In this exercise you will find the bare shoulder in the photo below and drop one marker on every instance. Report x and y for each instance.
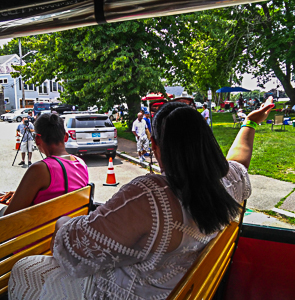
(38, 167)
(39, 174)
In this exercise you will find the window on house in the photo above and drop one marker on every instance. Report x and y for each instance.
(43, 88)
(54, 86)
(60, 88)
(6, 100)
(29, 87)
(3, 80)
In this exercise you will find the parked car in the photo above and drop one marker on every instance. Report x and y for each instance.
(90, 134)
(113, 114)
(18, 115)
(4, 116)
(61, 108)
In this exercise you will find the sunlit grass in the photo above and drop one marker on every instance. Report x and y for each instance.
(272, 153)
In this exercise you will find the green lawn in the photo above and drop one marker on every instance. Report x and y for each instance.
(273, 150)
(123, 133)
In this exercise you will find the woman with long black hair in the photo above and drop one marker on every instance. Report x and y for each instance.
(142, 241)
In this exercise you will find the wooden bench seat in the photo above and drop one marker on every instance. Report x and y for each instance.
(203, 278)
(23, 228)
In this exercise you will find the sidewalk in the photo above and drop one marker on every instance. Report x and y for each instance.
(127, 150)
(266, 192)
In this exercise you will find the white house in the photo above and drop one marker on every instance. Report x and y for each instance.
(48, 91)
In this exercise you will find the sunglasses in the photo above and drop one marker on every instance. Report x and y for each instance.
(37, 134)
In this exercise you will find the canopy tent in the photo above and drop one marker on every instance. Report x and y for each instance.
(153, 96)
(227, 89)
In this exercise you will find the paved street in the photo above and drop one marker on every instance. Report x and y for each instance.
(97, 166)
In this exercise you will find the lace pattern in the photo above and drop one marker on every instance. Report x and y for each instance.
(93, 253)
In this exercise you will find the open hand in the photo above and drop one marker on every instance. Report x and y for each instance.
(262, 113)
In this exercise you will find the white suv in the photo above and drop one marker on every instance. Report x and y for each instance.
(90, 134)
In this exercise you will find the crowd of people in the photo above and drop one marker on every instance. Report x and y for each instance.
(140, 243)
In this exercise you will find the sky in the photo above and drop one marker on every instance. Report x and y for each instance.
(4, 41)
(250, 83)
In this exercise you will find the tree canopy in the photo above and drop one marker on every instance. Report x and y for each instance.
(264, 41)
(112, 63)
(121, 62)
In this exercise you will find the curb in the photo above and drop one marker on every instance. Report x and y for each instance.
(136, 160)
(283, 212)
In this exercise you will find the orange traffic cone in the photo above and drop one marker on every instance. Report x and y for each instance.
(17, 144)
(111, 179)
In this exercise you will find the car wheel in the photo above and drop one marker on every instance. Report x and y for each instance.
(18, 119)
(113, 155)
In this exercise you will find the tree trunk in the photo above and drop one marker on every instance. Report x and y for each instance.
(133, 103)
(290, 91)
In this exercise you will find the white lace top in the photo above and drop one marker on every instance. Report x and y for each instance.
(141, 242)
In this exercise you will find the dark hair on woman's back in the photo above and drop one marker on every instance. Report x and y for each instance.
(51, 127)
(194, 165)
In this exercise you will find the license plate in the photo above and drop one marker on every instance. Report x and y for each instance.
(95, 134)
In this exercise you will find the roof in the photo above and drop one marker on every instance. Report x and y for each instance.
(5, 58)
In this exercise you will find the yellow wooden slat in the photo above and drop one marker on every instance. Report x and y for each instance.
(28, 226)
(4, 290)
(217, 265)
(26, 239)
(193, 280)
(25, 220)
(33, 235)
(7, 264)
(214, 289)
(4, 280)
(215, 276)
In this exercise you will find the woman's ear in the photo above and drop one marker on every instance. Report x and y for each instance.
(66, 137)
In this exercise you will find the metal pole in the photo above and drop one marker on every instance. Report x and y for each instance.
(210, 98)
(21, 81)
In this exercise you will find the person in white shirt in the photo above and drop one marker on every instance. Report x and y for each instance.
(138, 129)
(205, 113)
(242, 116)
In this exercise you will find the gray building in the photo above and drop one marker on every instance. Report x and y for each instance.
(48, 91)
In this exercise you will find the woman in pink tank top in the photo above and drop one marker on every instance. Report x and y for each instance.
(45, 180)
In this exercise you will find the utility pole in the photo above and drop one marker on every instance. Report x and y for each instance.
(210, 98)
(20, 78)
(2, 105)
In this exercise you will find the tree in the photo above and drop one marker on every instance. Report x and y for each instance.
(264, 32)
(13, 48)
(209, 58)
(111, 63)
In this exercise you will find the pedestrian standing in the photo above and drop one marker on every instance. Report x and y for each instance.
(205, 113)
(148, 121)
(25, 129)
(31, 119)
(241, 102)
(138, 129)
